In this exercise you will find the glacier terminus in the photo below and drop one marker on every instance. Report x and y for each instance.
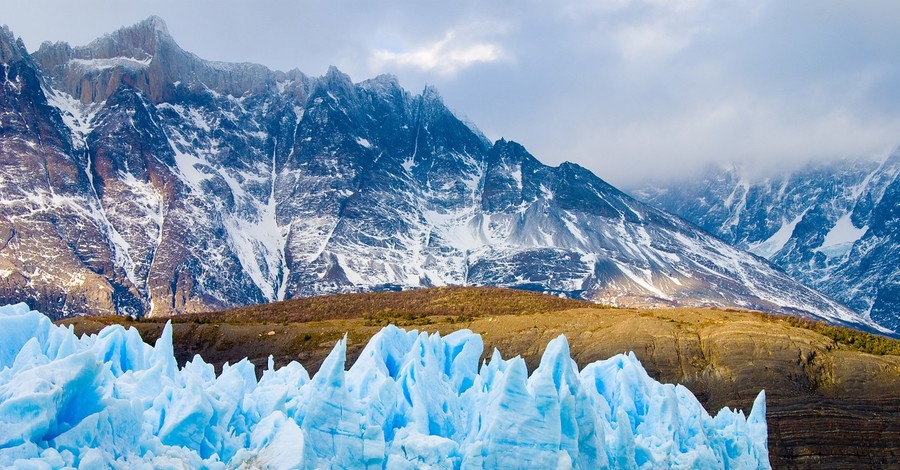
(411, 400)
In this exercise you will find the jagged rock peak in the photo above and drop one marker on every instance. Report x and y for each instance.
(336, 83)
(334, 79)
(140, 41)
(143, 56)
(510, 148)
(53, 54)
(334, 74)
(433, 103)
(383, 83)
(154, 23)
(431, 94)
(386, 79)
(509, 152)
(11, 48)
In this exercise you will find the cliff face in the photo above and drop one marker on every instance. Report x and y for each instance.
(145, 57)
(827, 407)
(44, 252)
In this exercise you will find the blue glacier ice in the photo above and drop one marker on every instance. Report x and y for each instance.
(411, 400)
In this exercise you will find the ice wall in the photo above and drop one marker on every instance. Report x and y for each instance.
(411, 400)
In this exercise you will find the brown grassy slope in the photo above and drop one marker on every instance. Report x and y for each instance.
(381, 307)
(829, 404)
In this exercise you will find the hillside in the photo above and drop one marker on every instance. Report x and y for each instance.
(830, 405)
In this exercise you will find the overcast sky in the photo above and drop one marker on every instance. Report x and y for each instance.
(632, 89)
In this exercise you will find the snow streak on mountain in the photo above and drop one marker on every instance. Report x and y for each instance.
(139, 178)
(835, 226)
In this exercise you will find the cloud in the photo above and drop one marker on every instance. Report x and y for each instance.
(757, 132)
(651, 41)
(446, 56)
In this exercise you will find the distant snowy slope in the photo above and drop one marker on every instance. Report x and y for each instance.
(834, 226)
(411, 400)
(171, 184)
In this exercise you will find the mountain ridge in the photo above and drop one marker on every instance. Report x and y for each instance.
(187, 197)
(832, 225)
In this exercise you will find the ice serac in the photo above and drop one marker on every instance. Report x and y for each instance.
(412, 400)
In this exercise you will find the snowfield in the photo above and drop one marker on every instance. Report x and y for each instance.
(411, 400)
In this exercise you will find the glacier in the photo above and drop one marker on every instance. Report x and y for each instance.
(411, 400)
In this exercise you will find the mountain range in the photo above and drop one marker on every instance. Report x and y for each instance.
(833, 225)
(138, 178)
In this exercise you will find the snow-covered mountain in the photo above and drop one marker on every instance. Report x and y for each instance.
(139, 178)
(835, 226)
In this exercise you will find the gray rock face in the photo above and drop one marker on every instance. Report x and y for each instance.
(145, 57)
(833, 226)
(179, 184)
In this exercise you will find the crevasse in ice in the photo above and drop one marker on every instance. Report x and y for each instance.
(411, 400)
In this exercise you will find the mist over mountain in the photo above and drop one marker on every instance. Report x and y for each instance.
(832, 225)
(139, 178)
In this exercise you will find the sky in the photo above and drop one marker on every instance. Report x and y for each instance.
(638, 91)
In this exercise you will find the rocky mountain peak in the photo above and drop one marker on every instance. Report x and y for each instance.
(139, 41)
(509, 148)
(53, 54)
(512, 154)
(154, 23)
(335, 76)
(385, 84)
(146, 57)
(11, 48)
(387, 80)
(337, 83)
(433, 102)
(430, 93)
